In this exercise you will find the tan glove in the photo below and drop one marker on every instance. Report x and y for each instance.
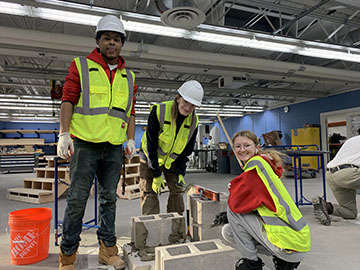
(65, 147)
(157, 183)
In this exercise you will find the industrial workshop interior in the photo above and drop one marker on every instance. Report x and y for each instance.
(286, 70)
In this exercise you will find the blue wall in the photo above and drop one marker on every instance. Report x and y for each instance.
(299, 115)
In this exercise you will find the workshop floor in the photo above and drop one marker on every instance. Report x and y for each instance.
(333, 248)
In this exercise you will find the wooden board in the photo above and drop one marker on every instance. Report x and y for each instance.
(22, 141)
(27, 131)
(30, 195)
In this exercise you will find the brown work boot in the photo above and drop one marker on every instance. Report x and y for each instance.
(109, 256)
(67, 262)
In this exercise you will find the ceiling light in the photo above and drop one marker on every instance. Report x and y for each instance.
(26, 108)
(37, 101)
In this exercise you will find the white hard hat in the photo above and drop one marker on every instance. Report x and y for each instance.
(192, 92)
(110, 23)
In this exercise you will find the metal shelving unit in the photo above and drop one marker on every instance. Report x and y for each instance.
(18, 162)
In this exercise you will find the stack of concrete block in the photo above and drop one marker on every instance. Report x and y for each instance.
(210, 254)
(202, 215)
(157, 230)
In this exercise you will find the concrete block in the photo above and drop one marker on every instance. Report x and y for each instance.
(133, 261)
(210, 254)
(201, 232)
(158, 230)
(203, 211)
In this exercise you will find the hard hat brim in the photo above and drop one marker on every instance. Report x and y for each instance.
(192, 101)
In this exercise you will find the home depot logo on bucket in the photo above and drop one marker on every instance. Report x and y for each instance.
(25, 242)
(29, 235)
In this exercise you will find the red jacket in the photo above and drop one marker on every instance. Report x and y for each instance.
(72, 87)
(248, 192)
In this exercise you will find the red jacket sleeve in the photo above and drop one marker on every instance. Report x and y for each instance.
(72, 87)
(248, 192)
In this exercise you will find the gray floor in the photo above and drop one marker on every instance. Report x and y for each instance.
(334, 247)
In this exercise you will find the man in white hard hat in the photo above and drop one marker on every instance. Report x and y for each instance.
(167, 142)
(97, 116)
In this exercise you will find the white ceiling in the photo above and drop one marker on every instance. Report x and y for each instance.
(34, 50)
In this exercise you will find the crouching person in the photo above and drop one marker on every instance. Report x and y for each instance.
(262, 217)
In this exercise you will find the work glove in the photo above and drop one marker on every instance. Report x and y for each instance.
(157, 184)
(130, 150)
(65, 147)
(180, 182)
(220, 219)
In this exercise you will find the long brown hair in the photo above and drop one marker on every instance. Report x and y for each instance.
(274, 155)
(175, 109)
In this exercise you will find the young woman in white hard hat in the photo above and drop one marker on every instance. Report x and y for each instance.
(167, 142)
(98, 111)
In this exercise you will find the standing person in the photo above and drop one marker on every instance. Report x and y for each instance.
(262, 217)
(167, 142)
(343, 177)
(98, 111)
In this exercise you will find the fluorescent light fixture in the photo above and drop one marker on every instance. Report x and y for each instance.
(26, 108)
(204, 33)
(24, 97)
(37, 101)
(221, 114)
(28, 118)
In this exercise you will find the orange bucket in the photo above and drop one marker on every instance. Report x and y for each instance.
(29, 235)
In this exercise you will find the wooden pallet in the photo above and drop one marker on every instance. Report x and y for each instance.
(132, 177)
(41, 189)
(49, 172)
(30, 195)
(131, 192)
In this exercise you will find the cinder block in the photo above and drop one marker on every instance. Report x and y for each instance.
(157, 230)
(133, 260)
(203, 211)
(200, 232)
(210, 254)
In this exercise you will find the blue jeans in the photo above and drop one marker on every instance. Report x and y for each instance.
(103, 160)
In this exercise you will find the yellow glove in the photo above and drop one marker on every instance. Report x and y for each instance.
(180, 181)
(157, 183)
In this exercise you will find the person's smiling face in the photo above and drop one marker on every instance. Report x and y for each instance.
(110, 45)
(244, 148)
(185, 107)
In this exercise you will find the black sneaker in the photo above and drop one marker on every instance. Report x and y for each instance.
(320, 211)
(246, 264)
(284, 265)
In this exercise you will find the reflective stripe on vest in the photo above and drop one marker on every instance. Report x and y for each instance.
(162, 122)
(295, 225)
(86, 110)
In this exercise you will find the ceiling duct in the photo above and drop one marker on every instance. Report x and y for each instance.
(183, 14)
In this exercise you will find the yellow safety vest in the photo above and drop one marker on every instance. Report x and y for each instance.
(286, 228)
(170, 144)
(103, 110)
